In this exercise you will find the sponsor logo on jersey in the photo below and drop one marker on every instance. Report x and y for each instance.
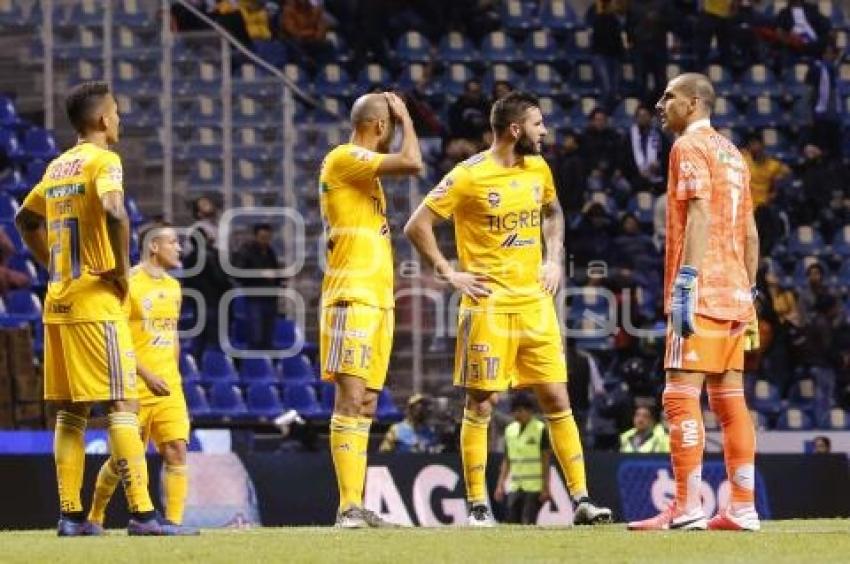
(494, 199)
(442, 189)
(513, 240)
(479, 347)
(60, 308)
(362, 155)
(514, 220)
(64, 169)
(115, 173)
(65, 190)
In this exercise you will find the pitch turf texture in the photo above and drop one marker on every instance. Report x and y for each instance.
(813, 541)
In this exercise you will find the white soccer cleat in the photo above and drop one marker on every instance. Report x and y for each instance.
(588, 513)
(672, 519)
(480, 516)
(351, 518)
(730, 520)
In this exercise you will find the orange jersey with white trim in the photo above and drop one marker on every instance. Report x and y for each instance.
(705, 165)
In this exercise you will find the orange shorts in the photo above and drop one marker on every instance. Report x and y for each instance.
(716, 347)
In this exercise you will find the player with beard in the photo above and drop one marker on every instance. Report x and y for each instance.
(505, 212)
(356, 327)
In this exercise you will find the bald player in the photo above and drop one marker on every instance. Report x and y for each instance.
(709, 280)
(356, 327)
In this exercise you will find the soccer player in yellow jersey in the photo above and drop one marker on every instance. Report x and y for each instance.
(154, 310)
(75, 224)
(504, 209)
(356, 326)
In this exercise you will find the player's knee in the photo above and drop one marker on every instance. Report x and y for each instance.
(480, 402)
(553, 398)
(78, 409)
(369, 405)
(350, 395)
(123, 406)
(174, 452)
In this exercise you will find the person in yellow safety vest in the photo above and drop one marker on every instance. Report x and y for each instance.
(525, 467)
(647, 436)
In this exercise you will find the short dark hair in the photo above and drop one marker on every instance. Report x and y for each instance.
(262, 227)
(511, 109)
(151, 230)
(825, 439)
(521, 400)
(597, 110)
(82, 99)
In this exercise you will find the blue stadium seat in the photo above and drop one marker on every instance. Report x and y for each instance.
(457, 48)
(140, 44)
(372, 74)
(758, 80)
(13, 182)
(23, 305)
(722, 80)
(86, 12)
(498, 47)
(499, 72)
(12, 232)
(263, 400)
(541, 47)
(518, 15)
(137, 218)
(332, 80)
(577, 44)
(135, 78)
(766, 398)
(725, 113)
(413, 47)
(189, 369)
(832, 10)
(257, 369)
(130, 12)
(8, 207)
(216, 366)
(558, 15)
(23, 264)
(544, 80)
(342, 53)
(623, 115)
(642, 205)
(302, 398)
(206, 174)
(273, 52)
(297, 75)
(583, 80)
(841, 242)
(793, 419)
(764, 111)
(835, 419)
(226, 401)
(709, 420)
(12, 14)
(387, 411)
(802, 395)
(11, 146)
(297, 368)
(8, 113)
(759, 420)
(805, 240)
(327, 395)
(553, 113)
(589, 319)
(196, 399)
(453, 79)
(287, 335)
(794, 83)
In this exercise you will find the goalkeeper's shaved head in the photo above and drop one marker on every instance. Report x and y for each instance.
(369, 107)
(696, 85)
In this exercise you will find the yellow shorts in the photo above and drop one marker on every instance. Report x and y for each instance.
(89, 362)
(356, 340)
(164, 419)
(496, 351)
(716, 347)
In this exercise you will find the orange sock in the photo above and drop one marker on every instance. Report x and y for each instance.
(687, 441)
(739, 441)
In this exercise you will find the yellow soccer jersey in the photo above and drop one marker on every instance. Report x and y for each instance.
(68, 196)
(154, 310)
(359, 264)
(498, 225)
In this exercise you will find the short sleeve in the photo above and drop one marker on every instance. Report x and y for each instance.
(109, 175)
(35, 200)
(549, 192)
(356, 165)
(693, 172)
(445, 197)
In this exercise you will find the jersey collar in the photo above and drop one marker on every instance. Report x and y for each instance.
(699, 124)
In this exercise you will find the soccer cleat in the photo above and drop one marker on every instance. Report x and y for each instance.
(670, 519)
(71, 528)
(375, 521)
(93, 529)
(351, 518)
(587, 513)
(480, 516)
(159, 527)
(729, 520)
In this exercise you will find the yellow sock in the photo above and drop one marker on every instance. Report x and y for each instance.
(176, 483)
(346, 446)
(128, 451)
(363, 426)
(566, 442)
(69, 452)
(107, 480)
(473, 448)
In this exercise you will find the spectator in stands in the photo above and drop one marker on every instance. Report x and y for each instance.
(524, 474)
(766, 172)
(821, 356)
(714, 20)
(822, 80)
(606, 19)
(426, 120)
(646, 157)
(821, 445)
(647, 24)
(802, 28)
(259, 255)
(585, 382)
(256, 19)
(568, 168)
(501, 88)
(414, 434)
(812, 292)
(635, 249)
(593, 236)
(602, 148)
(305, 27)
(10, 279)
(779, 329)
(227, 14)
(647, 436)
(822, 190)
(183, 19)
(469, 116)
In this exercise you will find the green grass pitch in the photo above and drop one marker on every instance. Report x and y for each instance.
(816, 541)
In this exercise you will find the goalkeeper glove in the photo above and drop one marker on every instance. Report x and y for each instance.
(683, 305)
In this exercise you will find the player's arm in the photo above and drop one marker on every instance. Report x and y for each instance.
(696, 233)
(420, 231)
(118, 229)
(155, 384)
(31, 225)
(751, 251)
(504, 470)
(553, 237)
(409, 159)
